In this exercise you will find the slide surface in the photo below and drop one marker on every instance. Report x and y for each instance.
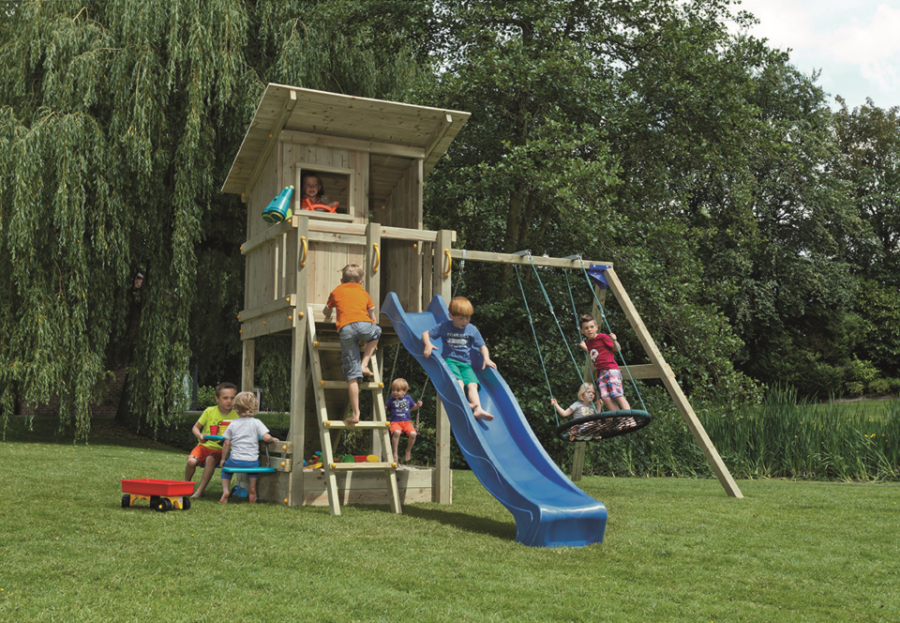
(504, 454)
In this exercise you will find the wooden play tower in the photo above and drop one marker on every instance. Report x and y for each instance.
(373, 157)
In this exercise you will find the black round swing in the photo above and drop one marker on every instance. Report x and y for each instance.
(595, 426)
(603, 425)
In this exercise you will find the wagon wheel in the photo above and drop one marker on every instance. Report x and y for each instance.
(185, 503)
(603, 425)
(126, 500)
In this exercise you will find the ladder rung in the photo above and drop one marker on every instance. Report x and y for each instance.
(343, 385)
(332, 346)
(343, 424)
(346, 467)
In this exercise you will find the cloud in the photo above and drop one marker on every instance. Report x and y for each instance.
(855, 44)
(874, 47)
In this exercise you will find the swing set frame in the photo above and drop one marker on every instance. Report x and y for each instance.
(656, 369)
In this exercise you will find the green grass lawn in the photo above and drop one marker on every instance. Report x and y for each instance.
(675, 550)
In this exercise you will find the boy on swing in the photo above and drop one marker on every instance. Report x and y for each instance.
(399, 406)
(602, 348)
(458, 336)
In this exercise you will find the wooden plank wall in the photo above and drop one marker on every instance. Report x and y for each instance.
(401, 259)
(260, 265)
(328, 258)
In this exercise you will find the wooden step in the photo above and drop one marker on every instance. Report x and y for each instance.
(346, 467)
(331, 346)
(343, 385)
(366, 424)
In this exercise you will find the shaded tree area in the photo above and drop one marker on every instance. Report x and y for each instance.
(755, 231)
(118, 123)
(868, 140)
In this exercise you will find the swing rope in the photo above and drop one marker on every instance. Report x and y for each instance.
(587, 358)
(421, 396)
(597, 425)
(555, 319)
(609, 330)
(536, 343)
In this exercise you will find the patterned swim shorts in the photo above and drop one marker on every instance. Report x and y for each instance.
(609, 382)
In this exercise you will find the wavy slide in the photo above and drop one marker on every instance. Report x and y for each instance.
(504, 454)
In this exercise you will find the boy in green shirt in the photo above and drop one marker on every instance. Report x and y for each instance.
(208, 453)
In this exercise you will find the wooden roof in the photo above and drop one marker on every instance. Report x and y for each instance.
(420, 130)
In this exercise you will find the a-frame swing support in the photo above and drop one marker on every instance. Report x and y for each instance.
(657, 368)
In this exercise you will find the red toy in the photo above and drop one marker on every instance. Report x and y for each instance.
(163, 495)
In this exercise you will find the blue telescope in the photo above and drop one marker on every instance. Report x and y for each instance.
(279, 208)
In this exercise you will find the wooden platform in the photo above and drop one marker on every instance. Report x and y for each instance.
(416, 485)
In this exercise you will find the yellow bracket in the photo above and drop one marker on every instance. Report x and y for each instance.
(305, 251)
(377, 258)
(449, 263)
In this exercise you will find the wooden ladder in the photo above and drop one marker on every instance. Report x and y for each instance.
(379, 422)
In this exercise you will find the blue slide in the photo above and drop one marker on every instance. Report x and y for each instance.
(504, 454)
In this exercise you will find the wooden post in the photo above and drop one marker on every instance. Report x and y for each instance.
(372, 284)
(249, 365)
(297, 434)
(681, 401)
(427, 271)
(441, 285)
(373, 265)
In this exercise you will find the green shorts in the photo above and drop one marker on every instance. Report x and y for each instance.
(462, 371)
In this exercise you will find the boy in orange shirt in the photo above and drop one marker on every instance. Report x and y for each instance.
(355, 323)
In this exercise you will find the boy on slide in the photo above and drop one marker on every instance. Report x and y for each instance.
(458, 336)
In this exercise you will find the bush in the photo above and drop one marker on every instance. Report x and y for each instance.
(855, 388)
(206, 397)
(880, 386)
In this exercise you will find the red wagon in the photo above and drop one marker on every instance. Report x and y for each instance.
(163, 495)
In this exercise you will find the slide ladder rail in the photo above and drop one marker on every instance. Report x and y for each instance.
(503, 453)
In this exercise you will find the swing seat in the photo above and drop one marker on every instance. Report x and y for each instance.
(603, 425)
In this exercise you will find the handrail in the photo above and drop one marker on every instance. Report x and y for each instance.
(377, 258)
(449, 263)
(305, 251)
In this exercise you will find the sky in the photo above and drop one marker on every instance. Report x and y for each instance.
(854, 43)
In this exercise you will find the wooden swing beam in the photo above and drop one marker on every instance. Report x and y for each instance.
(658, 368)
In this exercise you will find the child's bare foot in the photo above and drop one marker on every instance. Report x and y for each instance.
(224, 498)
(481, 414)
(252, 495)
(406, 458)
(197, 495)
(352, 420)
(366, 372)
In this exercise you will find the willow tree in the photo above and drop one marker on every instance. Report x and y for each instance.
(118, 121)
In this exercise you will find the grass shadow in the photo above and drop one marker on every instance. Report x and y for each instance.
(462, 521)
(104, 432)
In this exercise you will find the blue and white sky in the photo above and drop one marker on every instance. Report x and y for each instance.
(854, 43)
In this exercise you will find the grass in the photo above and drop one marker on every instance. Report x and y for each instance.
(675, 550)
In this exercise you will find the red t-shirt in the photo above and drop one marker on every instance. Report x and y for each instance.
(602, 352)
(352, 303)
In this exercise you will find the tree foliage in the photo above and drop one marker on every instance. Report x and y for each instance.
(118, 122)
(755, 231)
